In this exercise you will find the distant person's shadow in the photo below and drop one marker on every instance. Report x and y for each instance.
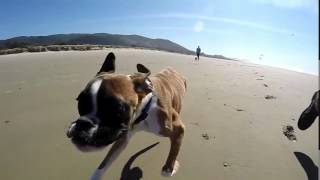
(309, 167)
(136, 172)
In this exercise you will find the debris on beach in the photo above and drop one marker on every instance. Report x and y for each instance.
(195, 123)
(270, 97)
(289, 132)
(205, 136)
(265, 85)
(239, 109)
(226, 164)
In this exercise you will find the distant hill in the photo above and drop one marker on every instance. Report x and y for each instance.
(90, 41)
(94, 39)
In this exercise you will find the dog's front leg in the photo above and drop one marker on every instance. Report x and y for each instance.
(114, 152)
(172, 165)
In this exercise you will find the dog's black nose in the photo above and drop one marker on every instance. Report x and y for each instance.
(83, 125)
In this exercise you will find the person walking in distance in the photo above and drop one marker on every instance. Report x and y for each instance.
(198, 51)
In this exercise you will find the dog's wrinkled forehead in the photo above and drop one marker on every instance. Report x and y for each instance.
(119, 86)
(104, 90)
(108, 89)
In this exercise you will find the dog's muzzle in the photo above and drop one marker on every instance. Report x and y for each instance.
(85, 133)
(83, 124)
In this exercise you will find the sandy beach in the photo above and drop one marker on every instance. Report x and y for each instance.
(232, 131)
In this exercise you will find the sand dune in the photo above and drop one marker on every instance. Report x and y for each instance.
(234, 131)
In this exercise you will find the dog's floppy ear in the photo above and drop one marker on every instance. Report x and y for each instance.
(142, 69)
(109, 64)
(142, 85)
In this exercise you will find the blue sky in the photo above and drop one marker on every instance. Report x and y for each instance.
(282, 33)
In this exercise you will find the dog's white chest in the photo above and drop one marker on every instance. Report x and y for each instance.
(151, 123)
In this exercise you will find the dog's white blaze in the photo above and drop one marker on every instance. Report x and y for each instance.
(95, 86)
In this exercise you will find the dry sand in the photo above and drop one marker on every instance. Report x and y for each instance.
(233, 132)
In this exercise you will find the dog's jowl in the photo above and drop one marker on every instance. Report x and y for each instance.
(112, 107)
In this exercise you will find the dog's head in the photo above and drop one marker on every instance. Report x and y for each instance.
(106, 106)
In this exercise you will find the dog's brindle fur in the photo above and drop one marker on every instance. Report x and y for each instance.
(118, 97)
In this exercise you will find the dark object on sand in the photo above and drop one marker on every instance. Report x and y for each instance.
(226, 164)
(310, 114)
(265, 85)
(288, 131)
(205, 136)
(270, 97)
(195, 123)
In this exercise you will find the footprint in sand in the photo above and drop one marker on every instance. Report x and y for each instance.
(259, 79)
(270, 97)
(239, 109)
(289, 132)
(226, 164)
(6, 121)
(205, 136)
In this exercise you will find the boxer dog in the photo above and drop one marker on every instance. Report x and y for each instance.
(112, 107)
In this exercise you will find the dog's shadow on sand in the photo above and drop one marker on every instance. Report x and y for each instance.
(308, 165)
(134, 173)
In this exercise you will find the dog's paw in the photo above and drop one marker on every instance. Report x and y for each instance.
(168, 172)
(96, 175)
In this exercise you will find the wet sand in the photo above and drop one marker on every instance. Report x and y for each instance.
(234, 131)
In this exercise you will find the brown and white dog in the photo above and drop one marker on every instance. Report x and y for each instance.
(112, 107)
